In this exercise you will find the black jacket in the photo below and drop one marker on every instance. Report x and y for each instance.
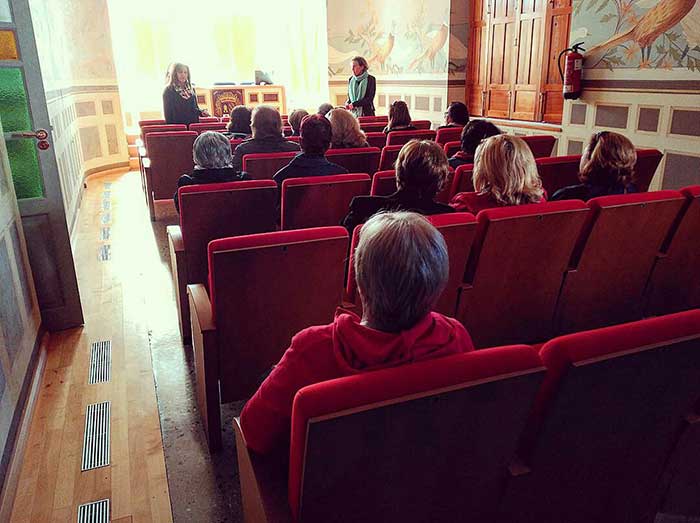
(178, 110)
(270, 144)
(586, 191)
(367, 102)
(308, 165)
(363, 207)
(202, 176)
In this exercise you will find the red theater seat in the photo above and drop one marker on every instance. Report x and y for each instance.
(462, 181)
(359, 160)
(263, 289)
(318, 201)
(161, 128)
(557, 172)
(295, 139)
(208, 212)
(372, 127)
(421, 125)
(383, 183)
(515, 270)
(401, 137)
(373, 119)
(403, 444)
(263, 166)
(388, 157)
(208, 119)
(159, 121)
(540, 145)
(645, 168)
(200, 127)
(613, 257)
(235, 142)
(448, 134)
(610, 409)
(376, 139)
(451, 148)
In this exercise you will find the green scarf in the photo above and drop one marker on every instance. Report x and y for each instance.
(357, 87)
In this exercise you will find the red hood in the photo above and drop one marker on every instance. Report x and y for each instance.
(359, 348)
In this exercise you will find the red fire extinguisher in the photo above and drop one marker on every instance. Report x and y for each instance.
(571, 75)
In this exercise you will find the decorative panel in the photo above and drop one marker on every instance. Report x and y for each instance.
(574, 147)
(578, 114)
(648, 119)
(10, 318)
(112, 141)
(611, 116)
(8, 45)
(685, 122)
(42, 252)
(14, 111)
(382, 100)
(107, 107)
(13, 235)
(393, 98)
(437, 104)
(85, 109)
(90, 142)
(681, 170)
(422, 103)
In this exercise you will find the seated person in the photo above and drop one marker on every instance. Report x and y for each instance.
(212, 163)
(346, 130)
(399, 118)
(295, 120)
(505, 174)
(457, 115)
(324, 109)
(607, 167)
(472, 135)
(239, 124)
(402, 266)
(315, 140)
(266, 124)
(421, 171)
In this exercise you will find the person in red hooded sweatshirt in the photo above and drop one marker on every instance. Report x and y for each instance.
(401, 267)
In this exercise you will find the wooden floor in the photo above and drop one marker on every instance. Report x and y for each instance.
(114, 291)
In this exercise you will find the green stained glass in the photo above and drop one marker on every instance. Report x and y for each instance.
(14, 111)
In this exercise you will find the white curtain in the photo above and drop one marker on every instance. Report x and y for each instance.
(221, 42)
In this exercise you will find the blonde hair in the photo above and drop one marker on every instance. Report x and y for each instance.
(171, 75)
(505, 167)
(608, 160)
(346, 129)
(422, 166)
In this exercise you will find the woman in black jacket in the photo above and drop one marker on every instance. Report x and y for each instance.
(179, 98)
(362, 87)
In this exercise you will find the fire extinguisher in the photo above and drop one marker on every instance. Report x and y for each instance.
(571, 75)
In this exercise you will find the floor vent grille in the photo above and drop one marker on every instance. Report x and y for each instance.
(96, 439)
(94, 512)
(100, 362)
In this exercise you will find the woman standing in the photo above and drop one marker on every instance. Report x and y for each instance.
(179, 98)
(361, 89)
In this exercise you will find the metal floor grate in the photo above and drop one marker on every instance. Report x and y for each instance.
(100, 362)
(96, 438)
(94, 512)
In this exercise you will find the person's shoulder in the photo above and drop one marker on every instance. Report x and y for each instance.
(366, 203)
(290, 146)
(313, 338)
(186, 179)
(441, 208)
(571, 192)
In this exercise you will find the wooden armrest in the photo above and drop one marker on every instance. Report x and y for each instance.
(146, 162)
(201, 306)
(175, 238)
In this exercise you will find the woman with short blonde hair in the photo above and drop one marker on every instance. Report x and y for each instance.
(346, 130)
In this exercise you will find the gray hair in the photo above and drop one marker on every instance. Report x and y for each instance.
(212, 150)
(266, 121)
(401, 267)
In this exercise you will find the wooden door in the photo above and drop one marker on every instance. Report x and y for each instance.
(557, 26)
(527, 49)
(478, 59)
(502, 40)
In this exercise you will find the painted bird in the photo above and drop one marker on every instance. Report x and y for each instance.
(437, 43)
(660, 18)
(380, 55)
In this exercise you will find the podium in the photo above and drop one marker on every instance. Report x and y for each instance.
(219, 100)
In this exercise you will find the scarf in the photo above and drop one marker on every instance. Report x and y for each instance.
(357, 87)
(185, 91)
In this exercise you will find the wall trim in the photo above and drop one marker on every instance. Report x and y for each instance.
(106, 167)
(413, 83)
(55, 94)
(643, 86)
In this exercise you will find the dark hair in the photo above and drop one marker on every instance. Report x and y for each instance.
(608, 160)
(240, 120)
(295, 119)
(398, 114)
(316, 134)
(361, 62)
(422, 167)
(324, 108)
(475, 132)
(458, 113)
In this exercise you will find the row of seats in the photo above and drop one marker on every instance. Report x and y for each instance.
(596, 427)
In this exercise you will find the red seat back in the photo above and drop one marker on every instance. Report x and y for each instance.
(541, 145)
(645, 168)
(451, 148)
(383, 183)
(295, 139)
(462, 181)
(144, 123)
(263, 166)
(421, 125)
(220, 210)
(373, 119)
(207, 126)
(208, 119)
(509, 293)
(613, 257)
(372, 127)
(287, 130)
(449, 134)
(401, 137)
(226, 118)
(318, 201)
(171, 157)
(388, 157)
(235, 142)
(376, 139)
(264, 289)
(358, 160)
(408, 431)
(675, 280)
(146, 129)
(557, 172)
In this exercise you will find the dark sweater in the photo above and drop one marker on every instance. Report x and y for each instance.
(585, 191)
(202, 176)
(178, 110)
(303, 165)
(269, 144)
(367, 101)
(460, 158)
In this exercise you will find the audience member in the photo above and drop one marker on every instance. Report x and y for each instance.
(346, 130)
(212, 162)
(402, 266)
(472, 135)
(295, 119)
(239, 124)
(179, 98)
(315, 140)
(457, 115)
(266, 124)
(421, 171)
(324, 108)
(505, 174)
(399, 118)
(607, 167)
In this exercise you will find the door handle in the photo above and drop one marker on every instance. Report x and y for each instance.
(40, 135)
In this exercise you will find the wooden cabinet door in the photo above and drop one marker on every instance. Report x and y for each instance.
(478, 59)
(501, 45)
(557, 25)
(527, 65)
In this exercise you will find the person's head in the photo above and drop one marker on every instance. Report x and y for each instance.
(401, 268)
(212, 150)
(178, 74)
(422, 167)
(240, 120)
(316, 134)
(398, 114)
(346, 128)
(359, 65)
(295, 119)
(608, 160)
(474, 132)
(505, 168)
(324, 108)
(266, 122)
(457, 114)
